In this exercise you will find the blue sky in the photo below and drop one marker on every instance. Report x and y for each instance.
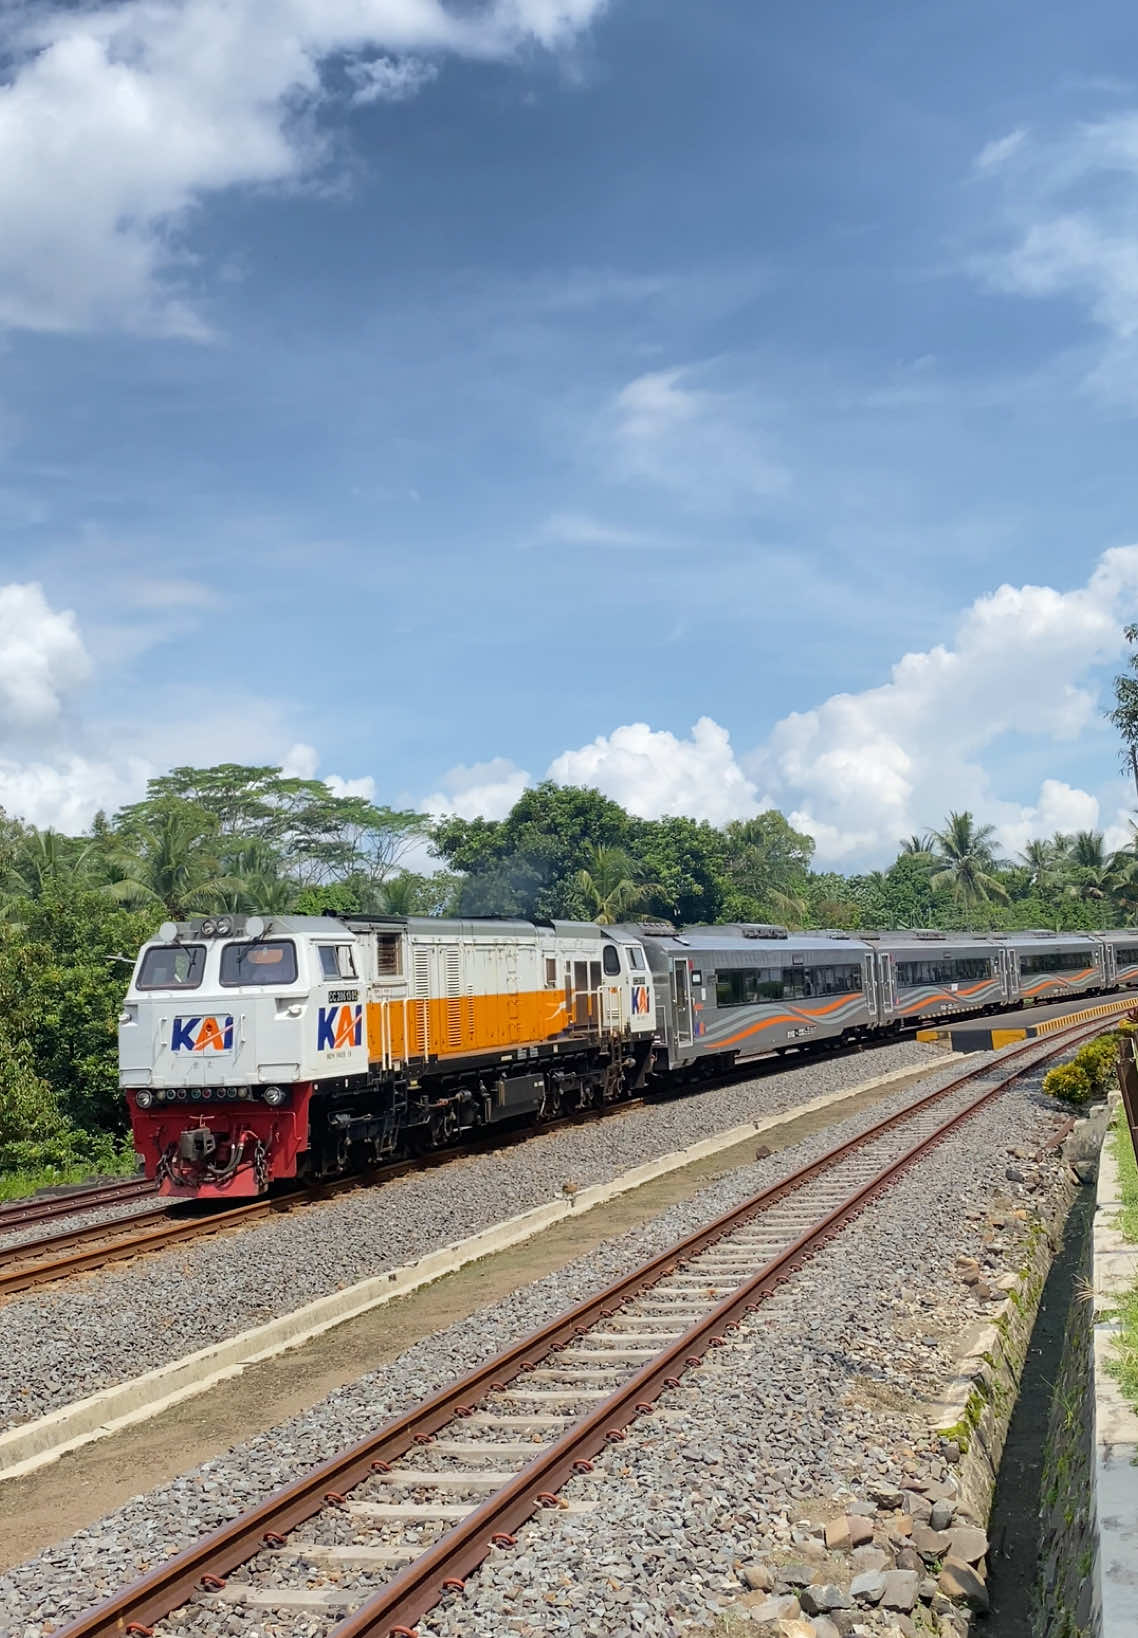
(437, 395)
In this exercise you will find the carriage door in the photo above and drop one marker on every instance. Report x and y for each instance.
(869, 985)
(1108, 964)
(886, 983)
(681, 1001)
(1006, 970)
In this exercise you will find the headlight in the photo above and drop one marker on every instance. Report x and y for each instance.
(274, 1096)
(196, 1095)
(209, 928)
(143, 1100)
(244, 1092)
(224, 927)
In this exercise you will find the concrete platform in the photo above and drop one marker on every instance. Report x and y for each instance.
(1008, 1028)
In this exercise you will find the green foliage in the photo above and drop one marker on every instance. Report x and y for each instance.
(1125, 714)
(1069, 1082)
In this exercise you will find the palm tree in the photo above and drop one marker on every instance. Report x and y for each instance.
(965, 860)
(1041, 859)
(169, 859)
(916, 843)
(1088, 866)
(613, 886)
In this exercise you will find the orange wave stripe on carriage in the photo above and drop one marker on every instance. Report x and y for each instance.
(948, 995)
(788, 1018)
(1063, 983)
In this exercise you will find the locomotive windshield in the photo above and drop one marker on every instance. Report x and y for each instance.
(271, 962)
(172, 967)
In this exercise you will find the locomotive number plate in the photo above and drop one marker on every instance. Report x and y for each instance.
(342, 996)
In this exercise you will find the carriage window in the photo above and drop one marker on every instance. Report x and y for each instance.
(944, 970)
(1056, 961)
(1126, 955)
(612, 959)
(747, 986)
(551, 972)
(172, 967)
(273, 962)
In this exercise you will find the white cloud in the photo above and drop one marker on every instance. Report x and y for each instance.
(652, 772)
(300, 761)
(388, 79)
(42, 661)
(579, 529)
(1061, 807)
(1070, 206)
(862, 770)
(117, 119)
(65, 795)
(663, 429)
(363, 786)
(484, 789)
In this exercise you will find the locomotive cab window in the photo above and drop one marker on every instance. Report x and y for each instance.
(612, 959)
(336, 961)
(172, 967)
(270, 962)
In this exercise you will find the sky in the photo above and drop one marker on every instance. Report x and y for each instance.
(726, 405)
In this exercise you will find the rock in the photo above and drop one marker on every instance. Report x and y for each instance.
(838, 1535)
(967, 1542)
(927, 1590)
(901, 1528)
(930, 1543)
(949, 1449)
(959, 1580)
(785, 1608)
(909, 1559)
(868, 1587)
(900, 1590)
(887, 1497)
(862, 1509)
(1014, 1175)
(825, 1628)
(1085, 1170)
(818, 1600)
(757, 1577)
(796, 1629)
(942, 1514)
(918, 1507)
(762, 1152)
(861, 1530)
(869, 1558)
(794, 1575)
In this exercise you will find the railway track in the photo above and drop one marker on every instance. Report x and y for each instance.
(19, 1214)
(424, 1500)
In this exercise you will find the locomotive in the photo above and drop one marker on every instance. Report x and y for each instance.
(255, 1048)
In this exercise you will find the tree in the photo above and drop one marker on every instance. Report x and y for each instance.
(169, 856)
(917, 844)
(613, 885)
(1089, 870)
(1042, 859)
(964, 860)
(765, 866)
(1124, 717)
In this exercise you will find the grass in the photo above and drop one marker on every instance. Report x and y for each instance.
(1125, 1367)
(114, 1162)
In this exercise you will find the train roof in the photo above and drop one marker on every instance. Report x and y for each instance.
(757, 938)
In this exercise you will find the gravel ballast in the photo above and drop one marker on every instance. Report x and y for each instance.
(61, 1345)
(723, 1473)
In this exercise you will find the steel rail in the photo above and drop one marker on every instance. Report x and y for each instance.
(19, 1213)
(170, 1585)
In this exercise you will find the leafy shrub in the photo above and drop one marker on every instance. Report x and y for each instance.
(1100, 1059)
(1070, 1082)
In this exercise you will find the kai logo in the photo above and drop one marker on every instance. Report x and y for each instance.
(209, 1034)
(640, 1001)
(339, 1027)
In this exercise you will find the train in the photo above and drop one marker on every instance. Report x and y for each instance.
(259, 1048)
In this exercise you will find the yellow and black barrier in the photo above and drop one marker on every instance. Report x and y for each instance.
(988, 1036)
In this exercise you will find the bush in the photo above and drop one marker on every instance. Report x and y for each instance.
(1100, 1060)
(1070, 1082)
